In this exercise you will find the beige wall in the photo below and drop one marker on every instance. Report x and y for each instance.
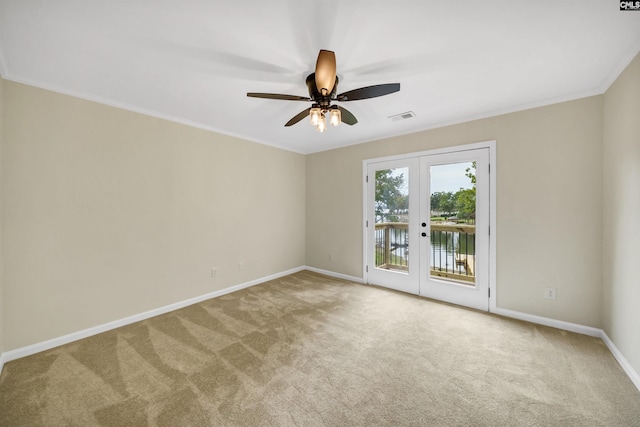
(621, 207)
(548, 204)
(110, 213)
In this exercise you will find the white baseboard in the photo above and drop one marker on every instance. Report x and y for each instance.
(336, 275)
(2, 360)
(624, 363)
(546, 321)
(75, 336)
(580, 329)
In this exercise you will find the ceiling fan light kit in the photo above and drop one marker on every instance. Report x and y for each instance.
(323, 85)
(335, 116)
(314, 115)
(322, 124)
(317, 117)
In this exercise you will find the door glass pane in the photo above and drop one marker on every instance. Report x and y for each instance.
(453, 231)
(392, 219)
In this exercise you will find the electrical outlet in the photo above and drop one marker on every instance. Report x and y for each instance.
(242, 265)
(330, 257)
(550, 293)
(214, 272)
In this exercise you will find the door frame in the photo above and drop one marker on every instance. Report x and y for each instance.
(491, 145)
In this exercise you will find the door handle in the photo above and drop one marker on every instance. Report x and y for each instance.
(424, 234)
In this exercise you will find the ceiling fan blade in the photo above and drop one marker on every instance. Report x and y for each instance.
(278, 96)
(369, 92)
(301, 115)
(325, 72)
(347, 117)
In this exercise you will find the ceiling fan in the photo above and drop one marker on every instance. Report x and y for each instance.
(323, 85)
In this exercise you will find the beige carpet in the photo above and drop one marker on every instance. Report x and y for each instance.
(310, 350)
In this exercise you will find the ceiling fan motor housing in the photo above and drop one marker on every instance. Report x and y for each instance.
(323, 101)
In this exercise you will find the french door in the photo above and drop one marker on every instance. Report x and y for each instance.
(428, 226)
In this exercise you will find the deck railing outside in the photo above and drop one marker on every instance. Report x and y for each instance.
(392, 245)
(452, 249)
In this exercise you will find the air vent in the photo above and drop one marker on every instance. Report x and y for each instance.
(402, 116)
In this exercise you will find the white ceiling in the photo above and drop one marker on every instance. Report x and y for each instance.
(194, 61)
